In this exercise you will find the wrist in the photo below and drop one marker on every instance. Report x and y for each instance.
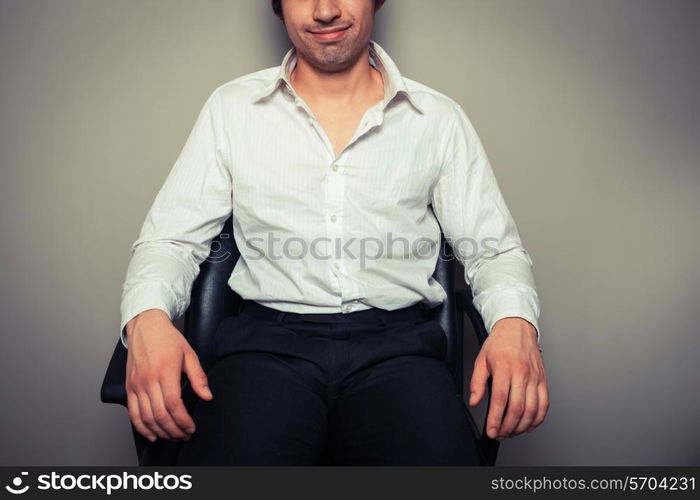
(147, 317)
(517, 324)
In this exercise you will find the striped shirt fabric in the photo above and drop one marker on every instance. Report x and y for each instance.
(326, 234)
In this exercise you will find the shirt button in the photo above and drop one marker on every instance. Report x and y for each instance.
(337, 266)
(348, 309)
(333, 218)
(335, 167)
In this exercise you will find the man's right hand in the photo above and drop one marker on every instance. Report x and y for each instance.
(157, 355)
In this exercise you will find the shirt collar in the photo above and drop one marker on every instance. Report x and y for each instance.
(393, 81)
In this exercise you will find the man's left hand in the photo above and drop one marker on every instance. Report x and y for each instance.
(511, 356)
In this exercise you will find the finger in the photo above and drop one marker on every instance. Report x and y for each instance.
(478, 381)
(543, 405)
(172, 398)
(516, 403)
(197, 376)
(531, 407)
(132, 402)
(161, 413)
(147, 415)
(500, 387)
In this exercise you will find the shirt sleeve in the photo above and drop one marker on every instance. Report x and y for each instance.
(189, 210)
(476, 222)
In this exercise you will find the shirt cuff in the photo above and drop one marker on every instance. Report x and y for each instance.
(144, 297)
(511, 302)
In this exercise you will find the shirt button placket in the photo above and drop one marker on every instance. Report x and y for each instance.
(334, 221)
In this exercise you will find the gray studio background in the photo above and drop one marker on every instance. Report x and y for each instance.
(589, 112)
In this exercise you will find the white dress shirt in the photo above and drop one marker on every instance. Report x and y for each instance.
(326, 234)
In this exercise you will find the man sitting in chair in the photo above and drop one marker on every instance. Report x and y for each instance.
(328, 164)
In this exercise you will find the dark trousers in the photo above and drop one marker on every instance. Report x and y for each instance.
(361, 388)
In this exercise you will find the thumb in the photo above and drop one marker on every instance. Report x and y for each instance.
(198, 379)
(478, 381)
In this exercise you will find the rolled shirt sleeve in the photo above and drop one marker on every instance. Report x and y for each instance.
(476, 222)
(188, 211)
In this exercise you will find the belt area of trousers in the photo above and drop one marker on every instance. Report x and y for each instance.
(411, 313)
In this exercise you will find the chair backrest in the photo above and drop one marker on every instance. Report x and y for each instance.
(212, 300)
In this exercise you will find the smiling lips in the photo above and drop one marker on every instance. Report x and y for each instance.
(330, 35)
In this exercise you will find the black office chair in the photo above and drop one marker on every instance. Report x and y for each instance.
(212, 300)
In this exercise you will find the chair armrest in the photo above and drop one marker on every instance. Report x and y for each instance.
(113, 389)
(488, 445)
(465, 305)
